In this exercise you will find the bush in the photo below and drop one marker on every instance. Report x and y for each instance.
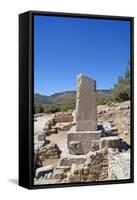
(121, 90)
(63, 107)
(68, 105)
(38, 108)
(51, 108)
(104, 100)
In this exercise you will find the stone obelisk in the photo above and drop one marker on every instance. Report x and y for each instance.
(86, 109)
(80, 137)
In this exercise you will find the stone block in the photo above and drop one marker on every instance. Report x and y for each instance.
(58, 174)
(44, 170)
(109, 142)
(64, 126)
(53, 131)
(68, 161)
(74, 169)
(74, 178)
(41, 137)
(80, 142)
(95, 145)
(112, 131)
(64, 168)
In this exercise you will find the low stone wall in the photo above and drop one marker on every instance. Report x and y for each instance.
(61, 121)
(118, 116)
(65, 161)
(64, 118)
(65, 126)
(50, 151)
(95, 168)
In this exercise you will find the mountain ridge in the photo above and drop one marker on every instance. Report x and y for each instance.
(65, 96)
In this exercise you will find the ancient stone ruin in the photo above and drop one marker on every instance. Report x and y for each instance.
(86, 108)
(81, 136)
(94, 150)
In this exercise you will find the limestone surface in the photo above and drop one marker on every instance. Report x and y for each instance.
(86, 110)
(44, 170)
(119, 165)
(80, 142)
(109, 142)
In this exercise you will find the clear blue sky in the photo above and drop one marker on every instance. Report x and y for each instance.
(65, 47)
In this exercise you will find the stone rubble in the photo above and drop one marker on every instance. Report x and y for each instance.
(51, 151)
(116, 116)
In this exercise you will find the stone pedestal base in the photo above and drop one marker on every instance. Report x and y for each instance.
(80, 142)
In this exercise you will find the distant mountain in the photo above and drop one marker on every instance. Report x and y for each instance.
(63, 97)
(103, 93)
(66, 96)
(42, 99)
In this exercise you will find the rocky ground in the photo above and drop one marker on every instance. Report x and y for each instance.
(116, 115)
(39, 122)
(104, 161)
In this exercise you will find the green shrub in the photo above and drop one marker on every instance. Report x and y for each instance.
(51, 108)
(121, 90)
(62, 107)
(38, 108)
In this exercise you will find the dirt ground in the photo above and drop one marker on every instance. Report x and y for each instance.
(60, 138)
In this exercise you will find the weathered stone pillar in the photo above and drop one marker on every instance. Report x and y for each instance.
(86, 109)
(80, 137)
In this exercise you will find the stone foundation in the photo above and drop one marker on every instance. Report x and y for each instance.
(50, 151)
(94, 169)
(64, 118)
(68, 160)
(80, 142)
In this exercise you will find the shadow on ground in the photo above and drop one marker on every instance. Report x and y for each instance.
(14, 181)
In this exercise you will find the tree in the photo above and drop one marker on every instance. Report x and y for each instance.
(121, 90)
